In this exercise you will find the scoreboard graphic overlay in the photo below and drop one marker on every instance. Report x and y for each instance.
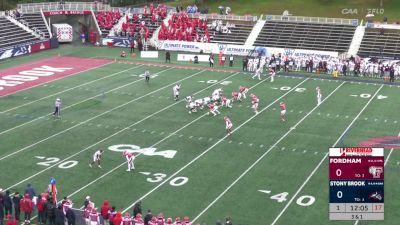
(356, 183)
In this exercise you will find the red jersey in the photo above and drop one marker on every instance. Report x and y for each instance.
(242, 88)
(224, 99)
(283, 106)
(211, 106)
(235, 94)
(127, 220)
(94, 217)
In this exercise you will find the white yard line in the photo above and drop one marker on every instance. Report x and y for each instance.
(112, 135)
(77, 103)
(324, 158)
(387, 159)
(48, 96)
(262, 156)
(211, 147)
(92, 118)
(188, 124)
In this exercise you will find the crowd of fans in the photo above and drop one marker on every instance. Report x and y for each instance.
(107, 19)
(182, 28)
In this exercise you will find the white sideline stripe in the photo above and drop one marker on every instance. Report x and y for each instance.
(34, 175)
(83, 122)
(263, 155)
(83, 71)
(212, 146)
(387, 159)
(171, 134)
(77, 191)
(77, 103)
(324, 158)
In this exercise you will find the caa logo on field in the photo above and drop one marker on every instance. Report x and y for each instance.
(375, 171)
(289, 52)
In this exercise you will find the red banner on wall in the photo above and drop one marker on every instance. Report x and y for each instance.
(37, 47)
(66, 12)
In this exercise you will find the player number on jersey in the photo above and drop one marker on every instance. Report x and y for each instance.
(53, 160)
(158, 177)
(287, 88)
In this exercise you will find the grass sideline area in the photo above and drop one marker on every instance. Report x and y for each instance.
(311, 8)
(186, 166)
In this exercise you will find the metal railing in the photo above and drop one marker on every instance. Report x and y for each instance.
(353, 22)
(56, 6)
(223, 17)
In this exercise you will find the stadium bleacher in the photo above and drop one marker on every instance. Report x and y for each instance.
(306, 35)
(11, 34)
(106, 21)
(35, 20)
(237, 34)
(377, 43)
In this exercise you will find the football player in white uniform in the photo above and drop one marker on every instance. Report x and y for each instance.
(97, 158)
(319, 95)
(176, 89)
(192, 107)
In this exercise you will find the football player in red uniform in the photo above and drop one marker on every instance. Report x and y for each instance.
(283, 111)
(129, 158)
(243, 90)
(226, 102)
(254, 102)
(237, 96)
(213, 109)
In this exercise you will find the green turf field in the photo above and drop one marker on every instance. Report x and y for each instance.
(186, 165)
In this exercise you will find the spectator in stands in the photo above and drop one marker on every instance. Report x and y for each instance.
(123, 54)
(231, 60)
(211, 60)
(16, 200)
(381, 31)
(167, 56)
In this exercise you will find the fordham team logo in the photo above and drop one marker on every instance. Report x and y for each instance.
(375, 171)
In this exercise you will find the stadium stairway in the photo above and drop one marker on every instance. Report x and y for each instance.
(11, 34)
(35, 20)
(255, 32)
(356, 42)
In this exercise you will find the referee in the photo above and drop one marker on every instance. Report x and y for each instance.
(147, 76)
(57, 106)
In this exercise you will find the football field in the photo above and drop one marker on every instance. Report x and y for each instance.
(266, 172)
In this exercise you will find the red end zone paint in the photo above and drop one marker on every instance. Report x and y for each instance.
(387, 142)
(32, 74)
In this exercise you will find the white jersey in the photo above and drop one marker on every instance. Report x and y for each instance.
(57, 103)
(97, 155)
(176, 89)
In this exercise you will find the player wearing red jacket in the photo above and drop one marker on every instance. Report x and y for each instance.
(243, 90)
(11, 221)
(283, 111)
(26, 207)
(117, 219)
(94, 217)
(228, 125)
(254, 102)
